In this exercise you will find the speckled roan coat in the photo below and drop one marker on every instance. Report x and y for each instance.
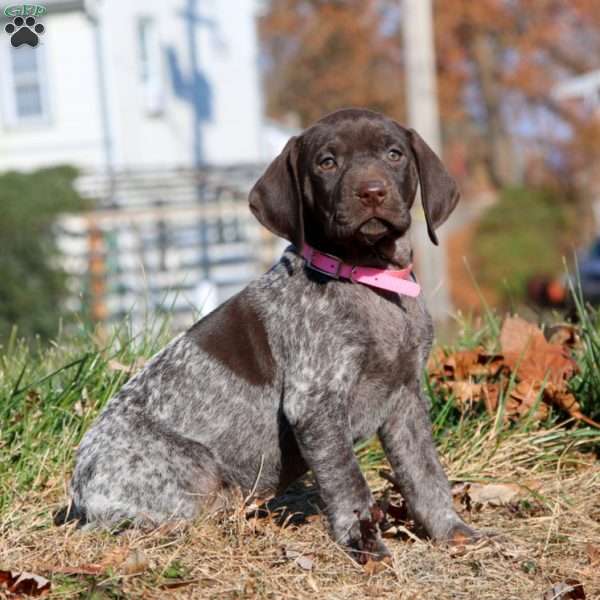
(294, 370)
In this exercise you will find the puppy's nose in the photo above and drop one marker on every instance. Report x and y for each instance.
(372, 192)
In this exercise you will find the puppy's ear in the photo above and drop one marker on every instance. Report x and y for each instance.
(276, 200)
(439, 191)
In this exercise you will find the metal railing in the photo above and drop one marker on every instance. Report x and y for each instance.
(180, 240)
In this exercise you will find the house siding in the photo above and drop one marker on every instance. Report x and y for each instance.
(210, 110)
(72, 132)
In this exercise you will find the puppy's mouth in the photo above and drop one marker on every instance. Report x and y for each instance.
(383, 240)
(374, 230)
(394, 253)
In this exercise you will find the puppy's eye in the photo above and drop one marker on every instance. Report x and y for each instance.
(394, 155)
(328, 163)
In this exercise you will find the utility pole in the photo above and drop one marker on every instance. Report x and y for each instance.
(423, 116)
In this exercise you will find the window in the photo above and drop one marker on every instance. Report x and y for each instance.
(25, 95)
(27, 83)
(149, 65)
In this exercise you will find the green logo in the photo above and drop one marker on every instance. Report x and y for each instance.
(25, 10)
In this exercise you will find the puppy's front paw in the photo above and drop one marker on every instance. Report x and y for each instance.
(365, 541)
(374, 550)
(462, 535)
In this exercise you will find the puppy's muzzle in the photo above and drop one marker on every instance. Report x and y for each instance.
(372, 193)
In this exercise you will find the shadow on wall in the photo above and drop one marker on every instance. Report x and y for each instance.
(193, 87)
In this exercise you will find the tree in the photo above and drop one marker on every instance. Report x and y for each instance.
(321, 56)
(498, 61)
(32, 285)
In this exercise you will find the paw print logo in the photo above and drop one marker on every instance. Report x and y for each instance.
(24, 31)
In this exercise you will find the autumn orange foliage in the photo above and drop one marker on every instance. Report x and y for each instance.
(530, 372)
(497, 63)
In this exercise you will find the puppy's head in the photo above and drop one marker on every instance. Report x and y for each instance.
(347, 184)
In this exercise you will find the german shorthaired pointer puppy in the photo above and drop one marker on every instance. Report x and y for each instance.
(324, 350)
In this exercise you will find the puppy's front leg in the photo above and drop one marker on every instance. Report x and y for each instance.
(408, 443)
(325, 442)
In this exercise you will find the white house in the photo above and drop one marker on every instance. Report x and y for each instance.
(116, 85)
(159, 103)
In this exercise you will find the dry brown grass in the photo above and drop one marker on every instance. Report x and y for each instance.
(543, 539)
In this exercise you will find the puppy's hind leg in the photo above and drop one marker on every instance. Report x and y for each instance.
(135, 470)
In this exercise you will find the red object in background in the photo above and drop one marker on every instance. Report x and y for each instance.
(546, 291)
(556, 292)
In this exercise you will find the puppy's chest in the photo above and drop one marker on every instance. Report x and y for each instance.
(390, 363)
(354, 333)
(391, 330)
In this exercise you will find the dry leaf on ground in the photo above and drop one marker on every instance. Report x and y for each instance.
(23, 584)
(593, 553)
(466, 495)
(464, 364)
(532, 372)
(372, 567)
(531, 357)
(564, 334)
(135, 563)
(570, 589)
(494, 494)
(304, 561)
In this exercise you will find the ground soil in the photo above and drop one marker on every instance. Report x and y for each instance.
(550, 535)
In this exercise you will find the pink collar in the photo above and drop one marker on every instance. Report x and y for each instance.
(395, 281)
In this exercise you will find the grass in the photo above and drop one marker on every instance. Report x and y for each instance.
(49, 397)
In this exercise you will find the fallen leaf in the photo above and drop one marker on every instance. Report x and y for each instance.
(517, 335)
(435, 363)
(532, 372)
(172, 585)
(461, 497)
(24, 584)
(570, 589)
(459, 365)
(135, 563)
(531, 356)
(567, 402)
(465, 364)
(593, 553)
(466, 393)
(115, 557)
(304, 561)
(564, 334)
(526, 396)
(491, 394)
(494, 494)
(372, 567)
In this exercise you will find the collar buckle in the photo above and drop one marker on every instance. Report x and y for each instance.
(338, 264)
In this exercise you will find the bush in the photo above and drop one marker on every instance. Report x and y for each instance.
(32, 286)
(525, 234)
